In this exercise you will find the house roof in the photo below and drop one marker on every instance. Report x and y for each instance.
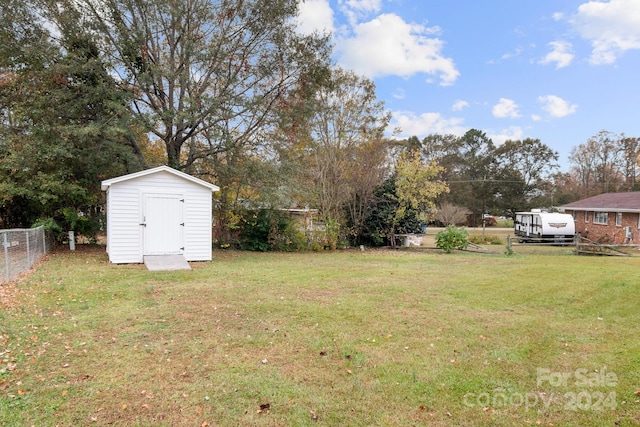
(107, 183)
(620, 202)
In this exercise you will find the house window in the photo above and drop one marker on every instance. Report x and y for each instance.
(586, 216)
(600, 217)
(574, 214)
(618, 219)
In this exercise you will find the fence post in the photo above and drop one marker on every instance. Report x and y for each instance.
(5, 244)
(44, 240)
(28, 235)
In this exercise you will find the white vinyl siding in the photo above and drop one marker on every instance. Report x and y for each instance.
(124, 234)
(125, 214)
(197, 222)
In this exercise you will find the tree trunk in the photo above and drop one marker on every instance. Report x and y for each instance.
(173, 154)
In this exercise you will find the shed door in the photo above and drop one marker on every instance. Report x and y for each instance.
(164, 230)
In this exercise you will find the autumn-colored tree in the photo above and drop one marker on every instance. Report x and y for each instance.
(417, 188)
(336, 141)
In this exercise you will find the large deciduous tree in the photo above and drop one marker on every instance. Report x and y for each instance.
(471, 186)
(604, 163)
(365, 175)
(523, 168)
(345, 149)
(630, 157)
(530, 157)
(206, 72)
(484, 177)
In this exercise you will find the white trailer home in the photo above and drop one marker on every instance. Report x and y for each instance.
(538, 225)
(159, 211)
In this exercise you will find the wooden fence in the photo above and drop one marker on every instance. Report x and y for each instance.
(582, 245)
(585, 246)
(541, 241)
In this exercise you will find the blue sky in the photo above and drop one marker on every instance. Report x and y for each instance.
(556, 70)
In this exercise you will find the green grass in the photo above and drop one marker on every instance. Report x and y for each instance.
(504, 223)
(352, 338)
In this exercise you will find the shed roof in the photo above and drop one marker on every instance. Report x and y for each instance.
(107, 183)
(621, 202)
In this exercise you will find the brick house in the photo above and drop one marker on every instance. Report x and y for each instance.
(608, 217)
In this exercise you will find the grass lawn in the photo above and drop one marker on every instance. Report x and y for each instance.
(350, 338)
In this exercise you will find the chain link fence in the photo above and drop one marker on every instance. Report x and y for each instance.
(21, 248)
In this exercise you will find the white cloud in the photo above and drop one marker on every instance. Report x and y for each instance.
(387, 45)
(612, 27)
(315, 15)
(355, 9)
(506, 108)
(506, 56)
(517, 52)
(399, 93)
(426, 124)
(536, 117)
(560, 54)
(511, 133)
(558, 16)
(556, 107)
(363, 5)
(459, 105)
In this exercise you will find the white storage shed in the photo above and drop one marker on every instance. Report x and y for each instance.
(159, 211)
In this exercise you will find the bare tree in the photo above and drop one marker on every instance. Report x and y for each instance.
(583, 159)
(347, 121)
(609, 156)
(630, 158)
(450, 214)
(366, 174)
(597, 164)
